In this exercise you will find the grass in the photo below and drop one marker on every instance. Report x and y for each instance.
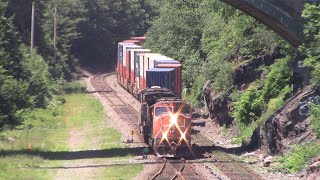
(298, 157)
(49, 131)
(11, 168)
(122, 172)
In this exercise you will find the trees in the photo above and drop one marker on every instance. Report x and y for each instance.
(87, 30)
(311, 45)
(210, 38)
(107, 22)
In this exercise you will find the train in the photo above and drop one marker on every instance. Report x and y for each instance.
(156, 81)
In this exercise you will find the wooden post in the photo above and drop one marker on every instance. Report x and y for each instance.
(32, 28)
(55, 34)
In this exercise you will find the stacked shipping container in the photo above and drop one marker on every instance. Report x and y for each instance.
(138, 69)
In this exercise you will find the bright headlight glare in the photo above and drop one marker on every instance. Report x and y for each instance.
(183, 135)
(174, 120)
(164, 135)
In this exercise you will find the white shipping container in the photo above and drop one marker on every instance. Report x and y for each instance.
(146, 63)
(153, 59)
(126, 47)
(134, 65)
(120, 50)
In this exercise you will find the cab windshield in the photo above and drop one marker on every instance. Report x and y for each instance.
(162, 110)
(185, 110)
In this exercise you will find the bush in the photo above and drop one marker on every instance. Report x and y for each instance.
(298, 157)
(315, 122)
(277, 79)
(74, 87)
(249, 107)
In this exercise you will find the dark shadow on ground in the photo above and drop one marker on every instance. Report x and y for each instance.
(72, 155)
(235, 150)
(201, 124)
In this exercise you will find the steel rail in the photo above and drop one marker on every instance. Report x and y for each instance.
(245, 169)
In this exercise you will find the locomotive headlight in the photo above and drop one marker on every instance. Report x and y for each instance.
(183, 135)
(164, 135)
(174, 120)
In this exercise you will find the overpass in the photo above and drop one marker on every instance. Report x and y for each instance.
(283, 16)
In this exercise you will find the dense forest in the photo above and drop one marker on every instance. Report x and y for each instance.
(87, 34)
(209, 37)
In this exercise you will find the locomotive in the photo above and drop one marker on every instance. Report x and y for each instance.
(165, 119)
(165, 122)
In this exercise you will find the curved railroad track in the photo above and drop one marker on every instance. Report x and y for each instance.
(176, 169)
(173, 169)
(124, 110)
(227, 165)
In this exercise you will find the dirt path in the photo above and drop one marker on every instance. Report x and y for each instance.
(80, 140)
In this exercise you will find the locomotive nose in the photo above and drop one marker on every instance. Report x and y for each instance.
(173, 146)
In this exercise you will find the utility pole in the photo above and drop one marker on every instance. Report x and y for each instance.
(32, 28)
(55, 34)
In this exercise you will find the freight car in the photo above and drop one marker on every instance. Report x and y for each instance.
(156, 81)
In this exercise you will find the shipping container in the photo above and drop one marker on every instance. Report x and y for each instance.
(152, 59)
(178, 75)
(120, 59)
(137, 42)
(144, 65)
(126, 62)
(165, 61)
(134, 68)
(140, 39)
(163, 77)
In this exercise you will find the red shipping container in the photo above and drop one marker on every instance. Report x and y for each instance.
(140, 40)
(137, 42)
(178, 80)
(141, 83)
(127, 73)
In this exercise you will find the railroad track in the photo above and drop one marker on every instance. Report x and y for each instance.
(176, 169)
(124, 110)
(173, 169)
(227, 165)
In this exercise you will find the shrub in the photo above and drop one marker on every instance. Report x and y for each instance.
(277, 79)
(315, 122)
(249, 107)
(298, 157)
(74, 87)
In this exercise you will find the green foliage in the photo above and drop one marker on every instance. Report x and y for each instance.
(11, 168)
(74, 87)
(69, 17)
(13, 97)
(9, 44)
(122, 172)
(315, 122)
(279, 77)
(246, 130)
(298, 157)
(38, 77)
(106, 23)
(311, 45)
(209, 38)
(85, 29)
(249, 107)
